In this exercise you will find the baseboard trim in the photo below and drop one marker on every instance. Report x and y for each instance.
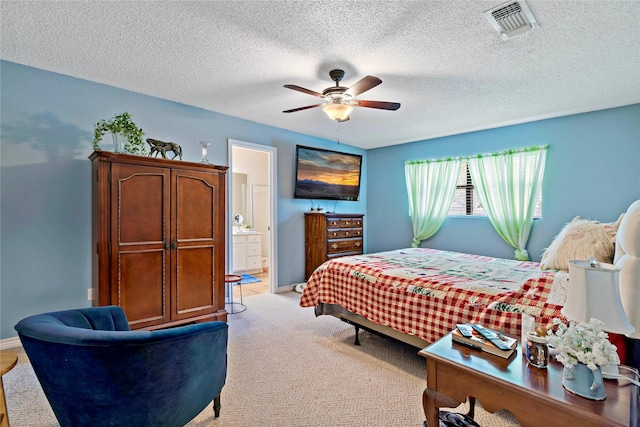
(283, 289)
(10, 343)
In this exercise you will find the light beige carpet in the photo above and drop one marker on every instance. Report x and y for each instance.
(289, 368)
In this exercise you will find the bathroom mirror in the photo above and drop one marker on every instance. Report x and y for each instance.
(239, 189)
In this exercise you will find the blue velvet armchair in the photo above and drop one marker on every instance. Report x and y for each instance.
(96, 372)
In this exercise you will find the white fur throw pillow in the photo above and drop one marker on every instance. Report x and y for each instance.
(579, 240)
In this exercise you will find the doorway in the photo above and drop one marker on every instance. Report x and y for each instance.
(251, 208)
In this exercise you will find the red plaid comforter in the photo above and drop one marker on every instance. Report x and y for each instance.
(425, 292)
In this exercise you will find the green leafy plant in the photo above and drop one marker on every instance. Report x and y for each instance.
(121, 124)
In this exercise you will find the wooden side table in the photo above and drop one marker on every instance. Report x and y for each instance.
(7, 361)
(534, 396)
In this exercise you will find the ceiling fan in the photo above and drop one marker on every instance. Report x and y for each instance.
(339, 100)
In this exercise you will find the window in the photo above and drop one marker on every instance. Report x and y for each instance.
(465, 199)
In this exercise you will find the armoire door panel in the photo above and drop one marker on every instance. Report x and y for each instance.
(195, 205)
(195, 284)
(141, 289)
(142, 203)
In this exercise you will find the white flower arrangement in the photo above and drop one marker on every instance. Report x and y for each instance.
(582, 343)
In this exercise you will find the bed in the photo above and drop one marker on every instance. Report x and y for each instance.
(417, 295)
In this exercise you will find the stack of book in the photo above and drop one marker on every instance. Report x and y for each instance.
(483, 341)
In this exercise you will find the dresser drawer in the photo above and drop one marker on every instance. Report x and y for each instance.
(239, 240)
(254, 238)
(356, 222)
(254, 249)
(344, 222)
(343, 234)
(347, 223)
(346, 245)
(254, 263)
(333, 222)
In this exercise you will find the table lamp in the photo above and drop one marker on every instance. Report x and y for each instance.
(594, 293)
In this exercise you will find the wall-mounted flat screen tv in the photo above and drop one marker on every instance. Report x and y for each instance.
(327, 174)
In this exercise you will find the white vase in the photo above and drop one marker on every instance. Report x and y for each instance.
(204, 145)
(117, 143)
(584, 382)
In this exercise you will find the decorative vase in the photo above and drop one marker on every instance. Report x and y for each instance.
(584, 382)
(117, 143)
(204, 145)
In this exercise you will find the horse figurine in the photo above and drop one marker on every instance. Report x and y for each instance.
(162, 148)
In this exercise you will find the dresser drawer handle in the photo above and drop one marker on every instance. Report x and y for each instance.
(334, 246)
(357, 244)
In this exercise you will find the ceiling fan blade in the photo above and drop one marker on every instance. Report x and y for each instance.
(363, 85)
(376, 104)
(303, 108)
(303, 90)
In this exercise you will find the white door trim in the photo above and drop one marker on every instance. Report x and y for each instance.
(273, 241)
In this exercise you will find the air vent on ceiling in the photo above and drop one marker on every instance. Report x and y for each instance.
(511, 19)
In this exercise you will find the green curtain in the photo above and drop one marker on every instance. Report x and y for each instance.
(508, 184)
(431, 185)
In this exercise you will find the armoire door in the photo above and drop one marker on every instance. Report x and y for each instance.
(197, 231)
(140, 240)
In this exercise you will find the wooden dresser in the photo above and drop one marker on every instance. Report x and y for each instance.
(330, 235)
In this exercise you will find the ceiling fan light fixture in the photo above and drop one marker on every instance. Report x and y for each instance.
(338, 101)
(339, 112)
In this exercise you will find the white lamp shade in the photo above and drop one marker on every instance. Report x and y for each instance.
(594, 293)
(338, 112)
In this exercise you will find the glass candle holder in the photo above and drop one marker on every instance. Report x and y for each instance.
(537, 350)
(204, 145)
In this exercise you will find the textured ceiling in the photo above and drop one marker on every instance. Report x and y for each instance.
(441, 60)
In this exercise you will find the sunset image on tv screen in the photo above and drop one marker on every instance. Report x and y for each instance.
(323, 174)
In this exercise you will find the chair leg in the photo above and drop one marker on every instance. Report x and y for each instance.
(216, 406)
(240, 287)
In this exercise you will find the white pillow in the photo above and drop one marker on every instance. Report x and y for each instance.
(581, 239)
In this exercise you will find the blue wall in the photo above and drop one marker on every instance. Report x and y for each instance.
(592, 171)
(46, 129)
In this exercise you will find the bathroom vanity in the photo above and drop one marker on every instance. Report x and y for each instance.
(247, 252)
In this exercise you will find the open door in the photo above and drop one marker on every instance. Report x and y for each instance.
(255, 165)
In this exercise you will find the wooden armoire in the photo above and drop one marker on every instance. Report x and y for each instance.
(158, 239)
